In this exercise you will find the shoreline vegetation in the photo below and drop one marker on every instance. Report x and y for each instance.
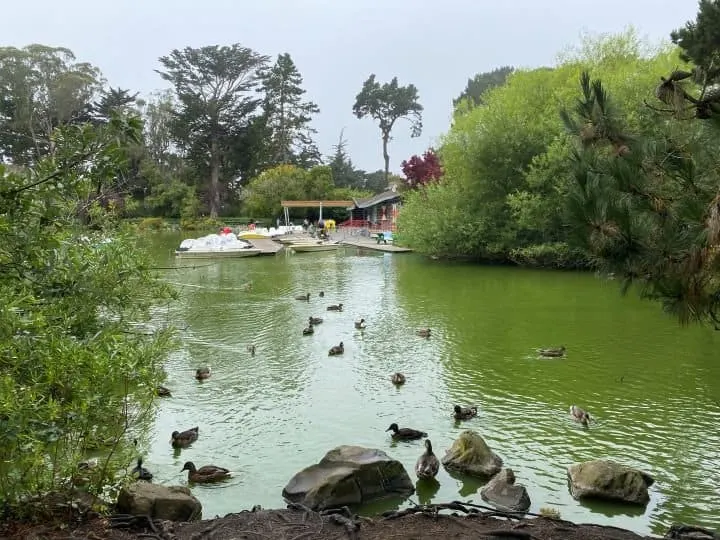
(607, 160)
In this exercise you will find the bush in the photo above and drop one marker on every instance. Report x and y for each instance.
(556, 255)
(200, 224)
(152, 224)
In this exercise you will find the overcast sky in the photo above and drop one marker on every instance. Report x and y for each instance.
(336, 44)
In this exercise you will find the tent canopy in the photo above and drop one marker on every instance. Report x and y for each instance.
(313, 204)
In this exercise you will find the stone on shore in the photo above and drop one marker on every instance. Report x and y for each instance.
(349, 475)
(503, 493)
(605, 479)
(471, 455)
(173, 503)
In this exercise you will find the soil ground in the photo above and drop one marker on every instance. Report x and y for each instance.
(298, 524)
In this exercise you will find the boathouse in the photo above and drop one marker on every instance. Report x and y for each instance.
(378, 212)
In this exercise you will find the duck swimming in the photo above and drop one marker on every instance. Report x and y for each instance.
(315, 320)
(423, 332)
(428, 464)
(161, 391)
(185, 438)
(321, 294)
(309, 330)
(360, 325)
(335, 307)
(336, 349)
(305, 297)
(556, 352)
(206, 473)
(202, 373)
(579, 415)
(397, 378)
(251, 350)
(405, 434)
(464, 413)
(140, 472)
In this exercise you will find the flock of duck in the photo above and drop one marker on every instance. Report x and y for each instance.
(427, 465)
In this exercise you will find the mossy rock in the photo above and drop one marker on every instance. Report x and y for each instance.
(471, 455)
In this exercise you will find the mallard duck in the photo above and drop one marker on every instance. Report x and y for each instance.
(335, 307)
(398, 378)
(202, 373)
(406, 434)
(251, 349)
(336, 349)
(464, 413)
(424, 332)
(88, 464)
(579, 415)
(163, 392)
(206, 473)
(360, 325)
(552, 352)
(309, 330)
(305, 297)
(186, 438)
(140, 472)
(321, 294)
(428, 464)
(315, 320)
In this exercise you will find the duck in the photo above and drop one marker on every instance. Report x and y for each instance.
(335, 307)
(161, 391)
(305, 297)
(397, 378)
(309, 330)
(140, 472)
(183, 439)
(206, 473)
(202, 373)
(579, 415)
(360, 325)
(424, 332)
(336, 349)
(406, 434)
(553, 352)
(251, 349)
(427, 465)
(321, 294)
(315, 320)
(464, 413)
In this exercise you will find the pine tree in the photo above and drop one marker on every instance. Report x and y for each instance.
(288, 115)
(344, 172)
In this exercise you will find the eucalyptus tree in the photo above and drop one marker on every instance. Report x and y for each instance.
(386, 104)
(215, 89)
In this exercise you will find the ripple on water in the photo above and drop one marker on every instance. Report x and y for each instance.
(269, 415)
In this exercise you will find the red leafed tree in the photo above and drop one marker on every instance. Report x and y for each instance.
(420, 171)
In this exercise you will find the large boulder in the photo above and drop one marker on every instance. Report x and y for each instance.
(604, 479)
(174, 503)
(503, 493)
(349, 475)
(469, 454)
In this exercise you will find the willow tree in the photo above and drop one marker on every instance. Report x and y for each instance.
(387, 103)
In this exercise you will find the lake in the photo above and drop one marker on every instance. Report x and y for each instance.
(652, 386)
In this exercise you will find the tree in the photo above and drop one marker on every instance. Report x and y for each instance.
(386, 104)
(344, 172)
(214, 86)
(43, 88)
(420, 171)
(481, 83)
(113, 100)
(287, 115)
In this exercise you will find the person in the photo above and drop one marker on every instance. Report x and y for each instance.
(278, 222)
(306, 224)
(251, 225)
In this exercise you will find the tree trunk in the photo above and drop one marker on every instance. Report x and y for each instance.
(214, 178)
(386, 156)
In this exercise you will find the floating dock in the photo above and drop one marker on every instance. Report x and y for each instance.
(369, 243)
(265, 245)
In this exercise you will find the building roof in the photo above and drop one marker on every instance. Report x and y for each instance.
(377, 199)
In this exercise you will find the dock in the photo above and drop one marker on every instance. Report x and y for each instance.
(267, 246)
(369, 243)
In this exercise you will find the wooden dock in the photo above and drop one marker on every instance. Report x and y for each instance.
(267, 246)
(369, 243)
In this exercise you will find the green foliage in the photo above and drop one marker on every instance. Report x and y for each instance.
(200, 224)
(700, 39)
(386, 104)
(344, 172)
(508, 162)
(288, 115)
(76, 370)
(482, 82)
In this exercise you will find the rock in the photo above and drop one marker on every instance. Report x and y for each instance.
(349, 475)
(680, 531)
(469, 454)
(604, 479)
(503, 493)
(174, 503)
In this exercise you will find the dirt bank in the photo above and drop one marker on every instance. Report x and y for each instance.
(302, 524)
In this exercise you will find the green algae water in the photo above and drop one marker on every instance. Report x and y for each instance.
(652, 386)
